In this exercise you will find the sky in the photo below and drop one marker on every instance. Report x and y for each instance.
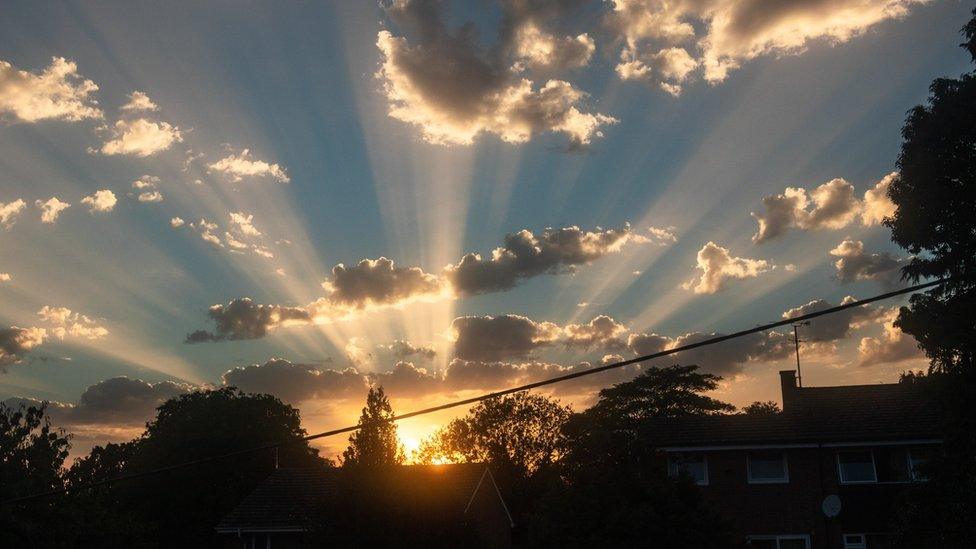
(445, 198)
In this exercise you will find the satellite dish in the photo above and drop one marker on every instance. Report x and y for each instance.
(831, 505)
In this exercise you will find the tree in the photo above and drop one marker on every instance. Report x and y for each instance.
(182, 506)
(31, 457)
(375, 443)
(612, 489)
(935, 196)
(518, 433)
(762, 408)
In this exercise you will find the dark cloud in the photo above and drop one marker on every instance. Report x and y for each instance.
(294, 383)
(16, 342)
(403, 349)
(452, 88)
(407, 381)
(495, 338)
(244, 319)
(834, 326)
(855, 264)
(118, 401)
(379, 282)
(524, 255)
(724, 358)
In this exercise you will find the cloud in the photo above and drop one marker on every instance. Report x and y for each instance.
(139, 101)
(543, 52)
(102, 200)
(10, 211)
(407, 381)
(892, 346)
(877, 205)
(854, 264)
(720, 35)
(243, 224)
(295, 383)
(662, 236)
(176, 222)
(403, 349)
(524, 255)
(832, 205)
(118, 401)
(669, 67)
(834, 326)
(453, 89)
(503, 337)
(4, 277)
(379, 282)
(717, 266)
(16, 342)
(150, 196)
(244, 319)
(51, 209)
(67, 323)
(140, 137)
(724, 358)
(238, 166)
(56, 93)
(602, 332)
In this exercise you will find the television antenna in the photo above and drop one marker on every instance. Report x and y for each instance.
(796, 343)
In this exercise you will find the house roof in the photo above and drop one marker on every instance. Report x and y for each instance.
(294, 499)
(818, 415)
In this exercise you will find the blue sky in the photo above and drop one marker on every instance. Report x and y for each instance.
(306, 91)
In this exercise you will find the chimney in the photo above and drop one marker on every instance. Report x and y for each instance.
(787, 381)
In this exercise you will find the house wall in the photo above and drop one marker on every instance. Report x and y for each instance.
(488, 517)
(795, 507)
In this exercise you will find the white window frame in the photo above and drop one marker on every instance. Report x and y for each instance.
(780, 537)
(704, 463)
(785, 479)
(840, 469)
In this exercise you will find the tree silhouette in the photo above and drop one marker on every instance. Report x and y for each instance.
(762, 408)
(612, 490)
(31, 457)
(375, 443)
(518, 433)
(935, 195)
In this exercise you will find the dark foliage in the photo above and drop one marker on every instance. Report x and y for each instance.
(375, 443)
(762, 408)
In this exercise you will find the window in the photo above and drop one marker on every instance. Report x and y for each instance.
(869, 541)
(856, 466)
(855, 541)
(767, 467)
(920, 463)
(693, 465)
(779, 542)
(891, 464)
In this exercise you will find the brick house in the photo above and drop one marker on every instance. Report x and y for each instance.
(295, 508)
(822, 474)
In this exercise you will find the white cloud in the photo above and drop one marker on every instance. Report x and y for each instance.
(65, 323)
(832, 205)
(238, 166)
(140, 137)
(16, 342)
(5, 277)
(150, 196)
(58, 92)
(723, 34)
(877, 205)
(101, 201)
(176, 222)
(542, 51)
(717, 266)
(10, 211)
(51, 209)
(244, 224)
(139, 101)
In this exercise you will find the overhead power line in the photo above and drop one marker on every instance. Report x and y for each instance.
(454, 404)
